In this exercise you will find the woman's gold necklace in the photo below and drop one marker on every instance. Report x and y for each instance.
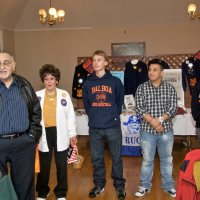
(51, 97)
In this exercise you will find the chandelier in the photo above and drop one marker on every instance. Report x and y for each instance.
(52, 17)
(192, 11)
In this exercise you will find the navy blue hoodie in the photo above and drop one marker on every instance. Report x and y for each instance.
(103, 99)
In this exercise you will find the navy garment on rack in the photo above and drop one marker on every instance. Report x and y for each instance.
(190, 73)
(80, 75)
(134, 75)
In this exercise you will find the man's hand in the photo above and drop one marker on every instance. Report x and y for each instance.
(159, 128)
(154, 122)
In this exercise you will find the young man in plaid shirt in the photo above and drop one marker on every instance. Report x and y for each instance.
(156, 104)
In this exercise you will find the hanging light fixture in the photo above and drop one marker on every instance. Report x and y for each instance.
(52, 17)
(193, 14)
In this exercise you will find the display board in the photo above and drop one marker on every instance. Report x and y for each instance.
(174, 77)
(130, 125)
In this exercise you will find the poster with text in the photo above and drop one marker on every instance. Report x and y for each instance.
(174, 77)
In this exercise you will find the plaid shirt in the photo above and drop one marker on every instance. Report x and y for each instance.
(156, 101)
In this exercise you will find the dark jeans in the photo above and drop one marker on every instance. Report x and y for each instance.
(20, 153)
(113, 137)
(45, 165)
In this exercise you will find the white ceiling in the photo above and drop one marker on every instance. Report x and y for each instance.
(23, 14)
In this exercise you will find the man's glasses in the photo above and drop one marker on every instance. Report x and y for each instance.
(6, 63)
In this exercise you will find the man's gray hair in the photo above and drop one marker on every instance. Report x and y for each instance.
(11, 56)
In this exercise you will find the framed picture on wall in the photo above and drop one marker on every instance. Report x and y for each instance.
(128, 49)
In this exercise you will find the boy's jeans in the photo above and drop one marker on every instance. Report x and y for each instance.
(113, 137)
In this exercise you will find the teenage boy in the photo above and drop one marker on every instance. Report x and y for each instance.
(103, 96)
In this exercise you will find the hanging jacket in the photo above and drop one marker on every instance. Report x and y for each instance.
(190, 73)
(134, 75)
(195, 104)
(80, 75)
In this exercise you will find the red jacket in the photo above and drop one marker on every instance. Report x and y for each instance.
(186, 187)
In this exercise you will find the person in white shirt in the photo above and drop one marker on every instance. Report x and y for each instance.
(58, 131)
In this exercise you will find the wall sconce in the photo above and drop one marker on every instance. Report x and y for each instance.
(192, 11)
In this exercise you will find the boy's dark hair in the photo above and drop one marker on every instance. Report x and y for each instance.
(156, 61)
(49, 69)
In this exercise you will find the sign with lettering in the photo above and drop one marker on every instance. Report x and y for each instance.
(130, 125)
(174, 77)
